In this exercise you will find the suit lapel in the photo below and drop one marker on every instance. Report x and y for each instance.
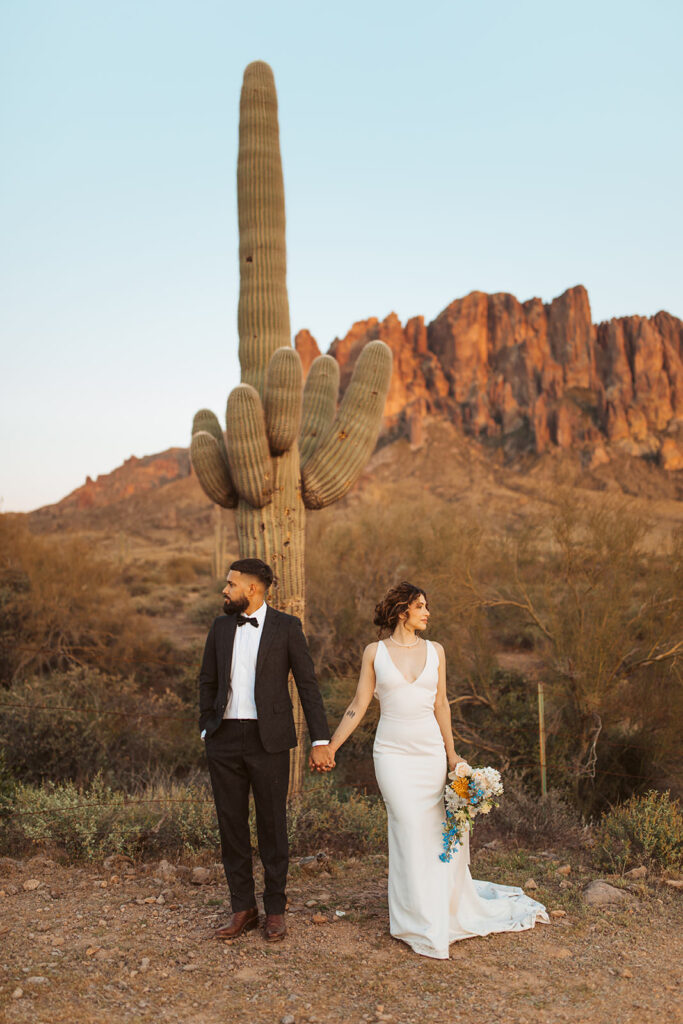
(271, 625)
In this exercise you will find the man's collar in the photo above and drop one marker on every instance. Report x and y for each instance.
(260, 613)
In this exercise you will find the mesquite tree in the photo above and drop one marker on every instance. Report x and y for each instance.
(286, 447)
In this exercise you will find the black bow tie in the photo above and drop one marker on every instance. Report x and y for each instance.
(242, 619)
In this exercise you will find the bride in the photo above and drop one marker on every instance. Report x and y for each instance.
(431, 903)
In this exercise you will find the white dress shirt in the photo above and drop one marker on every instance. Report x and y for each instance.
(241, 701)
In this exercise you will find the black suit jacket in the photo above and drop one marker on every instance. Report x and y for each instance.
(282, 649)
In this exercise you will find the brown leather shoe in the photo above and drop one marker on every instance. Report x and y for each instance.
(240, 922)
(275, 928)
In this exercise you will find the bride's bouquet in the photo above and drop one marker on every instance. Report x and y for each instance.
(469, 792)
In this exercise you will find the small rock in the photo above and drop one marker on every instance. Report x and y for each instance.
(319, 919)
(530, 884)
(311, 903)
(200, 876)
(31, 883)
(144, 963)
(18, 993)
(640, 872)
(310, 865)
(559, 952)
(183, 872)
(37, 980)
(165, 871)
(565, 869)
(116, 860)
(626, 973)
(161, 899)
(675, 883)
(190, 967)
(40, 862)
(91, 950)
(287, 1019)
(10, 889)
(558, 913)
(564, 884)
(150, 899)
(601, 894)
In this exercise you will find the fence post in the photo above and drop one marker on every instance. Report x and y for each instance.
(541, 738)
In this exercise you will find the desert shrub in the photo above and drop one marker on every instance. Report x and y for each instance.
(205, 609)
(8, 788)
(574, 590)
(61, 606)
(647, 829)
(530, 819)
(185, 569)
(336, 818)
(89, 823)
(118, 727)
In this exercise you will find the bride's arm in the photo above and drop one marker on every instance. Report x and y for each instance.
(355, 712)
(442, 712)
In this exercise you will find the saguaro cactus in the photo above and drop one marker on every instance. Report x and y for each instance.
(286, 447)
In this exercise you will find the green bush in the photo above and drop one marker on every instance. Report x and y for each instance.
(530, 819)
(326, 816)
(118, 727)
(8, 788)
(646, 830)
(91, 822)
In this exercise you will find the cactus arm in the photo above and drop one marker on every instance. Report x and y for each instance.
(320, 404)
(210, 463)
(248, 453)
(282, 401)
(263, 311)
(339, 460)
(208, 421)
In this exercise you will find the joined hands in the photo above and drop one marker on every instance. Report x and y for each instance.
(321, 758)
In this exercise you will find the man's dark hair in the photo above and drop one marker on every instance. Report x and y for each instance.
(254, 567)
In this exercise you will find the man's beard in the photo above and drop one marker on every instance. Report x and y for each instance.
(236, 606)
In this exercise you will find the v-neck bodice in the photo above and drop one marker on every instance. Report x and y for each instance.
(410, 682)
(399, 698)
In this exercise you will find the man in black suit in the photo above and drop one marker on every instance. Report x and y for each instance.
(245, 715)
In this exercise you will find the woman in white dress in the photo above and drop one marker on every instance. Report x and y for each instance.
(431, 902)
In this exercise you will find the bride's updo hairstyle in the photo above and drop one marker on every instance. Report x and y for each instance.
(394, 603)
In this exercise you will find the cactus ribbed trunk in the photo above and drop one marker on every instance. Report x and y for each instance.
(286, 447)
(263, 311)
(276, 533)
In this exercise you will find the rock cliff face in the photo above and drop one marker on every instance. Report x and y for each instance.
(532, 375)
(133, 477)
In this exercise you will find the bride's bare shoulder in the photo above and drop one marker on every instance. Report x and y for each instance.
(439, 648)
(371, 650)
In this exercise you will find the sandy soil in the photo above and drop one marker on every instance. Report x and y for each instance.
(92, 945)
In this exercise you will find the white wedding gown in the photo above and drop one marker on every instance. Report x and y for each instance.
(431, 903)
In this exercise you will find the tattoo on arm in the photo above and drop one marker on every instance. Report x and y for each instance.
(350, 714)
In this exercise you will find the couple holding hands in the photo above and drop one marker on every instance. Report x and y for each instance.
(246, 721)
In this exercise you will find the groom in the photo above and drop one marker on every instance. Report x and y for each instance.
(246, 721)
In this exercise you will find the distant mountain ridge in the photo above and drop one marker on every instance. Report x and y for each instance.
(532, 375)
(526, 377)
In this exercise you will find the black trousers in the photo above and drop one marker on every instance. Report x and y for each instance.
(238, 762)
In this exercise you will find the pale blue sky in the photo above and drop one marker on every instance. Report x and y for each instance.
(428, 150)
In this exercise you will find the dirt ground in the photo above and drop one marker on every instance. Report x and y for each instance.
(92, 945)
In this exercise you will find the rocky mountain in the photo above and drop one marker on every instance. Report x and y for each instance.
(135, 476)
(531, 376)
